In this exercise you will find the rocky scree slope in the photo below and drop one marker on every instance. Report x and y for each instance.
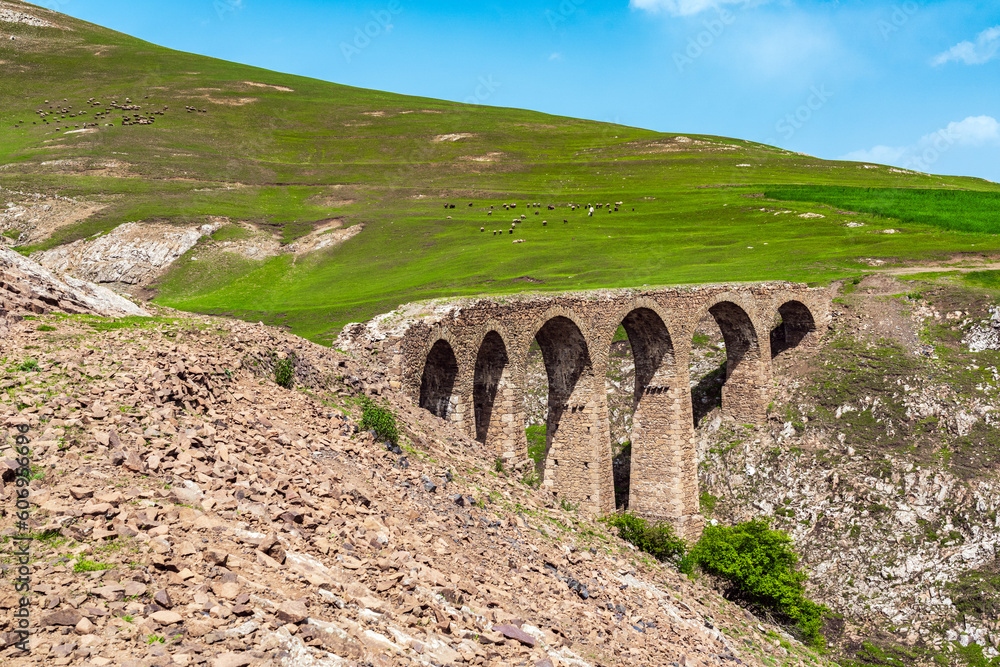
(880, 459)
(187, 510)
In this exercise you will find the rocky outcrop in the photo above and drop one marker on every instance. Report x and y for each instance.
(132, 254)
(30, 217)
(26, 287)
(880, 460)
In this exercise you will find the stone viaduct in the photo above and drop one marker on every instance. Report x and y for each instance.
(464, 360)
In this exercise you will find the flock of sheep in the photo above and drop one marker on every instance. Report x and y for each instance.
(589, 208)
(62, 113)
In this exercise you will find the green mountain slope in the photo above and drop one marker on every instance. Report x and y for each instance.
(287, 154)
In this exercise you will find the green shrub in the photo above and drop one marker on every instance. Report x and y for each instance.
(28, 365)
(379, 420)
(46, 327)
(656, 539)
(284, 372)
(759, 564)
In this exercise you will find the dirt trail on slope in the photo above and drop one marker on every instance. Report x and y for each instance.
(959, 263)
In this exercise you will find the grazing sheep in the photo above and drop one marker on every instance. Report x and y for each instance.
(482, 229)
(551, 207)
(545, 223)
(565, 221)
(489, 212)
(591, 213)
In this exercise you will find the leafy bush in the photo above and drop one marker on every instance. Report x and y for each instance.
(379, 420)
(284, 371)
(657, 539)
(46, 327)
(28, 365)
(759, 564)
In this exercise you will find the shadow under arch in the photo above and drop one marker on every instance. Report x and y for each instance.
(438, 381)
(796, 324)
(567, 358)
(735, 384)
(654, 361)
(739, 334)
(491, 375)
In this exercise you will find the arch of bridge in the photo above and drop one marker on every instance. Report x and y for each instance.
(496, 392)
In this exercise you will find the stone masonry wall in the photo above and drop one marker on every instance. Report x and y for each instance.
(464, 360)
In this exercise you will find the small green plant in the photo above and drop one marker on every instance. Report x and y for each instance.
(156, 639)
(656, 539)
(708, 502)
(84, 565)
(128, 618)
(498, 466)
(700, 340)
(568, 506)
(28, 365)
(535, 435)
(532, 478)
(46, 327)
(379, 420)
(284, 371)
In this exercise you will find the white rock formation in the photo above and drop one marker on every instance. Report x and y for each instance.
(25, 286)
(132, 254)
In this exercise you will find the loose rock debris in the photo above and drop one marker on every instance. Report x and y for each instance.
(187, 510)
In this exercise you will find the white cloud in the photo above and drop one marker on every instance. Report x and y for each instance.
(687, 7)
(556, 56)
(973, 132)
(985, 49)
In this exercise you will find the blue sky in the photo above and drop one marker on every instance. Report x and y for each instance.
(915, 84)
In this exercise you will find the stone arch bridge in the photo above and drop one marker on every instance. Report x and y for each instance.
(464, 360)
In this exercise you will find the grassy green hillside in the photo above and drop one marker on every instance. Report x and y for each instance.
(286, 153)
